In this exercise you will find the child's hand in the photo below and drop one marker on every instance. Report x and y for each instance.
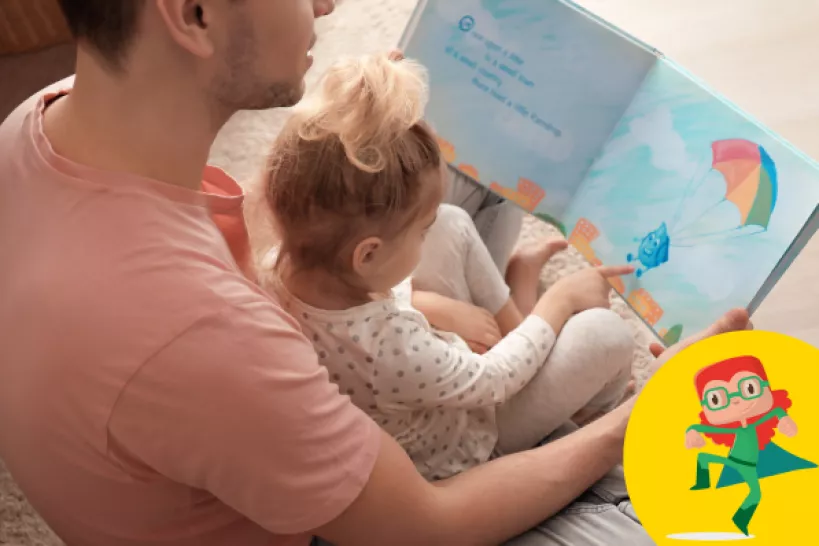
(588, 288)
(474, 324)
(787, 426)
(694, 440)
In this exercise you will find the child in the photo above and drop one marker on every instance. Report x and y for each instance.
(355, 184)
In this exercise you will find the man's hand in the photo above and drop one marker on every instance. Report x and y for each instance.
(734, 320)
(694, 440)
(657, 349)
(787, 426)
(474, 324)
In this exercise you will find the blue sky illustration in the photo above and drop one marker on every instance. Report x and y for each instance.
(656, 167)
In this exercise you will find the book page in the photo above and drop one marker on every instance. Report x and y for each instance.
(697, 195)
(788, 258)
(524, 92)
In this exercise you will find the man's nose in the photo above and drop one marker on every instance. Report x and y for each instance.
(324, 7)
(735, 401)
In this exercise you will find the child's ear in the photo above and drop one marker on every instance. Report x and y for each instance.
(365, 256)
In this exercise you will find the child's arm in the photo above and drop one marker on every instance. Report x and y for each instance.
(474, 324)
(709, 429)
(427, 371)
(776, 412)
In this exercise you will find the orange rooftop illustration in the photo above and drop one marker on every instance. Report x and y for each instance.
(447, 150)
(526, 195)
(646, 307)
(470, 171)
(582, 235)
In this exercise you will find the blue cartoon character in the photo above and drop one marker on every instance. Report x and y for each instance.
(750, 178)
(653, 251)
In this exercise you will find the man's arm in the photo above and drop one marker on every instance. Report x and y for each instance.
(486, 505)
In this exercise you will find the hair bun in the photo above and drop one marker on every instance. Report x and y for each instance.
(367, 103)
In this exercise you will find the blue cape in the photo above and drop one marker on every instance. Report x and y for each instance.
(773, 460)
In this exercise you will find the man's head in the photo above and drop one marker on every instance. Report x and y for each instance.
(244, 54)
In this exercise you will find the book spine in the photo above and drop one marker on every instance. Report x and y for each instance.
(412, 24)
(613, 28)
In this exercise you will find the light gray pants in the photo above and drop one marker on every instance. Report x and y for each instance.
(588, 367)
(603, 516)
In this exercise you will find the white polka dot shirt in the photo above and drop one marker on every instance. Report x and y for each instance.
(425, 388)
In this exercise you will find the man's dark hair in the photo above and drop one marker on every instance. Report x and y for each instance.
(107, 25)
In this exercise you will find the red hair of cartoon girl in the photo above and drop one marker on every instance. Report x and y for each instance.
(726, 371)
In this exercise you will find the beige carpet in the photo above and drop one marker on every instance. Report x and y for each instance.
(359, 26)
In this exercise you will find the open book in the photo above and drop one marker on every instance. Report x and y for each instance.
(628, 154)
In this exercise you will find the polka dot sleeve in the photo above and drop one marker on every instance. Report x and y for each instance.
(426, 371)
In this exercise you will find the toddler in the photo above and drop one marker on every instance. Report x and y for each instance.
(355, 184)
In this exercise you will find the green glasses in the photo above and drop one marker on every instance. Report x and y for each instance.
(749, 388)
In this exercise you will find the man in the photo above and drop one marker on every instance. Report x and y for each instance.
(149, 392)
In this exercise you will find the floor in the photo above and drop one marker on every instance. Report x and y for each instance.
(760, 53)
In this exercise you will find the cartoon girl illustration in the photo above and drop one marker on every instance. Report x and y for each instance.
(741, 411)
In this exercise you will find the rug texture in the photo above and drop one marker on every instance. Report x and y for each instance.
(357, 27)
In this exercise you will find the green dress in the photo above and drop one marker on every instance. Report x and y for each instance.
(743, 458)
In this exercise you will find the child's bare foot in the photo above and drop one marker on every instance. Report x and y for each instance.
(523, 271)
(528, 260)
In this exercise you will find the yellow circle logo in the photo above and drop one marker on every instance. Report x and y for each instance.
(723, 443)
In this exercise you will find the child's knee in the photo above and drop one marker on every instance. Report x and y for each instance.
(608, 334)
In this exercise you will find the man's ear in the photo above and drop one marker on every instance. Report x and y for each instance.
(365, 256)
(187, 22)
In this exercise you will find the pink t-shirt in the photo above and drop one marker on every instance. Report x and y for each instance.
(150, 393)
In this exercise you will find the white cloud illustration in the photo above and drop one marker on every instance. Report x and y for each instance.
(656, 131)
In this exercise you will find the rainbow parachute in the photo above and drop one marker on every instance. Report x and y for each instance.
(750, 184)
(750, 176)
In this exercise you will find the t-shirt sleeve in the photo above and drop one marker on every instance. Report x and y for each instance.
(427, 371)
(239, 406)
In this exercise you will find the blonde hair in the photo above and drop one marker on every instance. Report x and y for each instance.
(349, 163)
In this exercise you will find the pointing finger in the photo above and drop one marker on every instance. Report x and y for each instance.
(615, 270)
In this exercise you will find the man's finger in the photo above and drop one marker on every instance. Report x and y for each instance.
(734, 320)
(656, 349)
(615, 270)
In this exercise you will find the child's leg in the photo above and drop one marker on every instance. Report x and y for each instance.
(455, 263)
(589, 367)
